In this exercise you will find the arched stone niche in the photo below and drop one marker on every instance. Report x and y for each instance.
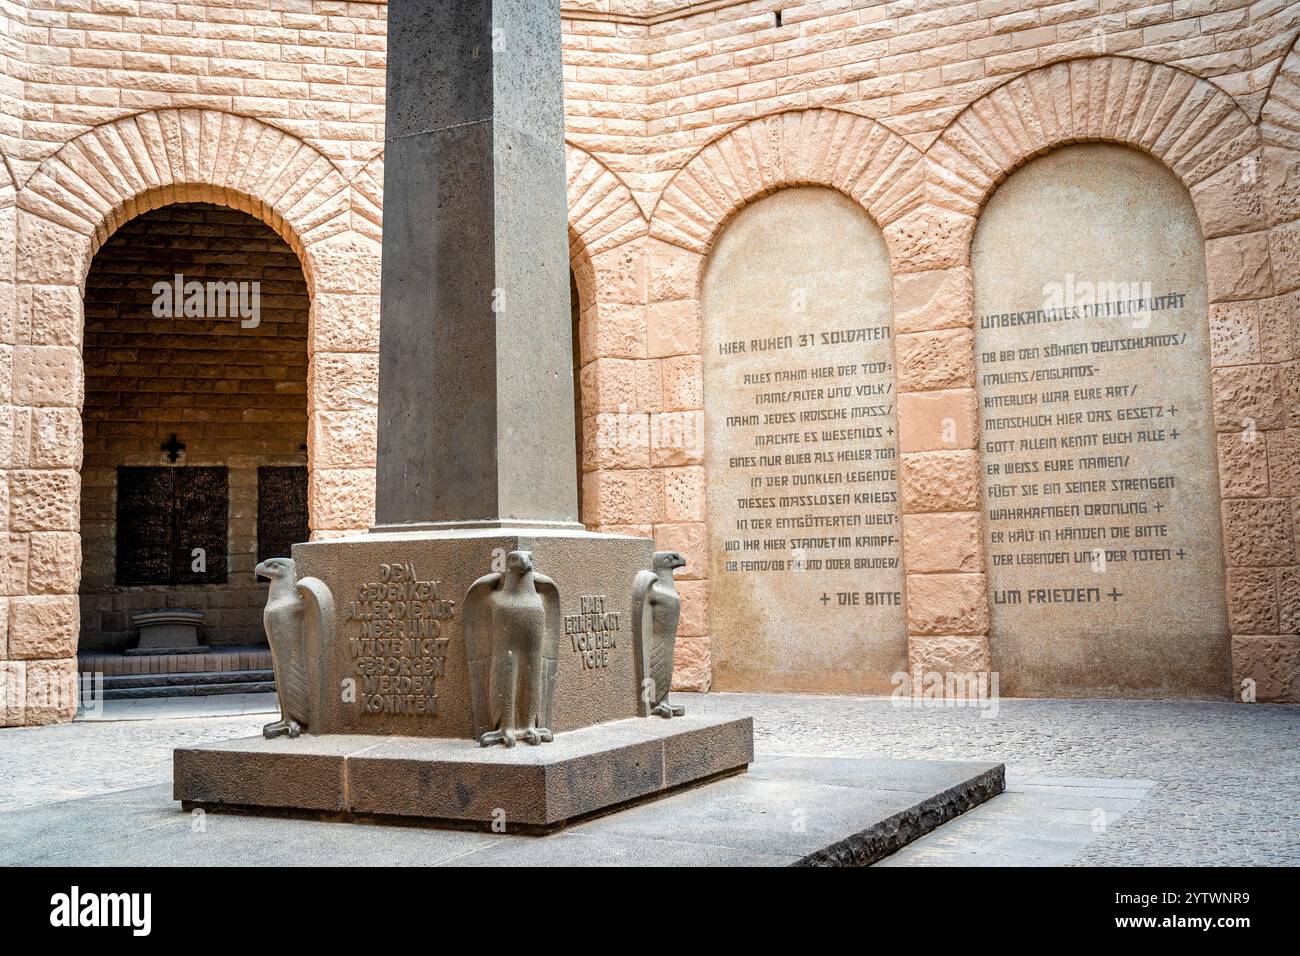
(801, 449)
(1100, 486)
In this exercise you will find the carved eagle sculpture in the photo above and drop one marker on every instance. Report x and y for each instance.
(299, 619)
(655, 610)
(512, 643)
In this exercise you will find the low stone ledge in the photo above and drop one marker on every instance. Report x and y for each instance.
(455, 782)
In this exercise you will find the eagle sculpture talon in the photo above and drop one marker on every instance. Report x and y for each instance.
(666, 709)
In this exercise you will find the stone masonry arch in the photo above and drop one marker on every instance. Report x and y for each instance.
(852, 154)
(68, 208)
(1208, 142)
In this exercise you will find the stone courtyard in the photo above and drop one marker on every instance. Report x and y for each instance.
(1089, 783)
(548, 356)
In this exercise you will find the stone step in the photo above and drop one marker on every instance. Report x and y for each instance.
(189, 690)
(238, 658)
(125, 681)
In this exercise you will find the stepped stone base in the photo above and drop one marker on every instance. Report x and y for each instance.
(455, 782)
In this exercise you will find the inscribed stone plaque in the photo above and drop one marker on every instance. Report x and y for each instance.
(805, 568)
(1100, 481)
(281, 510)
(171, 525)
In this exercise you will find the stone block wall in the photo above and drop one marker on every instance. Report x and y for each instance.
(679, 114)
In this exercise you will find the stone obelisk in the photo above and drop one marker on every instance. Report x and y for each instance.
(476, 387)
(418, 662)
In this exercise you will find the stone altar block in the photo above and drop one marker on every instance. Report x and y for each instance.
(398, 664)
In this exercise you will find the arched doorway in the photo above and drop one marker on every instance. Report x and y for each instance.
(195, 433)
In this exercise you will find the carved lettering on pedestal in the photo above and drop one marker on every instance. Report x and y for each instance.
(400, 653)
(593, 632)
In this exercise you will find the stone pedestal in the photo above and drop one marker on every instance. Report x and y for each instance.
(397, 664)
(456, 782)
(391, 730)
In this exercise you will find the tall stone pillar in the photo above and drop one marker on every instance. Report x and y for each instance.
(476, 389)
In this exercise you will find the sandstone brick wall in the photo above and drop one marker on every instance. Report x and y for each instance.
(235, 396)
(678, 115)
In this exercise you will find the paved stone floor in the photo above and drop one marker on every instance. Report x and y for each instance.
(1089, 782)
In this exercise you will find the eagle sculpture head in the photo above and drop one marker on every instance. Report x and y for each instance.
(667, 560)
(520, 562)
(274, 568)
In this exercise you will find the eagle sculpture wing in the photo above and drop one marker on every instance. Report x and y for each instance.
(317, 619)
(642, 638)
(550, 596)
(476, 625)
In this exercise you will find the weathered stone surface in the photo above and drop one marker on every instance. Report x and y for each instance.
(1233, 199)
(43, 627)
(1284, 255)
(937, 299)
(930, 237)
(1252, 600)
(672, 272)
(1288, 594)
(684, 491)
(623, 497)
(1243, 464)
(1284, 462)
(1258, 532)
(940, 481)
(934, 360)
(622, 385)
(1270, 664)
(616, 440)
(1247, 396)
(683, 382)
(13, 693)
(948, 655)
(947, 604)
(579, 773)
(53, 562)
(1234, 333)
(47, 375)
(51, 688)
(1238, 267)
(1278, 320)
(43, 500)
(50, 314)
(677, 438)
(942, 542)
(673, 328)
(55, 438)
